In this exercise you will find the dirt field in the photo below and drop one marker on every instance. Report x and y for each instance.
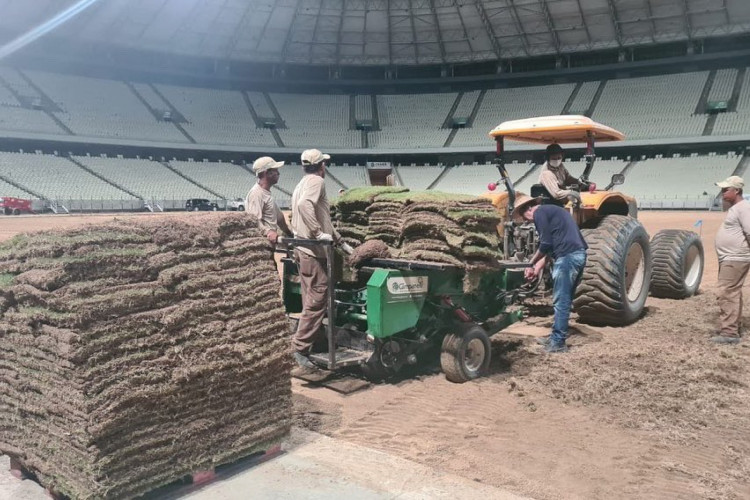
(647, 411)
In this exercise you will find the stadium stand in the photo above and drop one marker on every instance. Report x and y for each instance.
(583, 98)
(20, 116)
(468, 179)
(11, 190)
(101, 108)
(738, 122)
(412, 121)
(363, 104)
(679, 182)
(350, 175)
(466, 104)
(721, 90)
(653, 107)
(148, 179)
(500, 105)
(55, 177)
(419, 177)
(216, 116)
(320, 121)
(227, 179)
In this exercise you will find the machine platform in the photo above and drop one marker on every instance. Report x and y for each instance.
(344, 357)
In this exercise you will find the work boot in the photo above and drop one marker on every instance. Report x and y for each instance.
(303, 361)
(543, 340)
(554, 347)
(720, 339)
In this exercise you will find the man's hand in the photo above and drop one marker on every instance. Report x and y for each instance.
(574, 197)
(347, 248)
(325, 237)
(273, 236)
(529, 273)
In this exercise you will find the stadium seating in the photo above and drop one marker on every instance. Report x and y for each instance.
(350, 175)
(56, 177)
(227, 179)
(150, 180)
(653, 107)
(583, 98)
(216, 116)
(14, 116)
(419, 177)
(320, 121)
(738, 122)
(412, 121)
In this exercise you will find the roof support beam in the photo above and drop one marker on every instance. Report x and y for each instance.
(390, 34)
(339, 33)
(583, 21)
(688, 23)
(489, 29)
(239, 30)
(651, 18)
(615, 22)
(441, 45)
(314, 34)
(550, 25)
(288, 38)
(519, 27)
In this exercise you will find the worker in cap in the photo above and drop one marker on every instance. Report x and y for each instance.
(311, 219)
(260, 203)
(733, 251)
(555, 177)
(562, 241)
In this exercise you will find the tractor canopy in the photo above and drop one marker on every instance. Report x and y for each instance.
(560, 129)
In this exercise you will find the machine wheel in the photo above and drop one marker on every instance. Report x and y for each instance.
(617, 274)
(465, 355)
(387, 360)
(241, 208)
(16, 211)
(678, 264)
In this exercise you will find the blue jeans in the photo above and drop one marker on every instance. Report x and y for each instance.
(566, 275)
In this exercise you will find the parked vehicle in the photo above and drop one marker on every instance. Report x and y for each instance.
(14, 206)
(238, 204)
(200, 204)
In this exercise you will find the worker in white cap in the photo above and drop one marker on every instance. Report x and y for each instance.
(311, 219)
(733, 251)
(260, 203)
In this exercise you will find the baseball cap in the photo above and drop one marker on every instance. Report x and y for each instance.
(734, 181)
(266, 163)
(313, 157)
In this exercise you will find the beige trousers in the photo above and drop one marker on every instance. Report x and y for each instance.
(314, 284)
(731, 278)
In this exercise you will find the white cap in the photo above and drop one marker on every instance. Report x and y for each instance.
(265, 163)
(734, 181)
(313, 157)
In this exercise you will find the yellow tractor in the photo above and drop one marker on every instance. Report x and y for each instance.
(623, 264)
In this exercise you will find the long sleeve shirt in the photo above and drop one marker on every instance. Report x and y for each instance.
(311, 212)
(558, 233)
(732, 238)
(554, 179)
(260, 204)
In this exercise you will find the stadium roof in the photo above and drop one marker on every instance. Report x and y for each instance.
(382, 32)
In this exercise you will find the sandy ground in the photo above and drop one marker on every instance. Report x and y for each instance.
(647, 411)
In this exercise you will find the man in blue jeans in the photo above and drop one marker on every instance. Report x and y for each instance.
(560, 239)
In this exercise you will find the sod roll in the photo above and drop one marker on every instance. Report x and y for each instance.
(134, 353)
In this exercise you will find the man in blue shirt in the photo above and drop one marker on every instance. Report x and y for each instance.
(560, 239)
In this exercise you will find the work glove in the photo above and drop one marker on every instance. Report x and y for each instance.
(574, 197)
(325, 237)
(347, 248)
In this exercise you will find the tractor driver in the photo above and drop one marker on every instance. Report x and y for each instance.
(555, 177)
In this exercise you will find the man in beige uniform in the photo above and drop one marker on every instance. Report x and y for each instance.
(260, 203)
(733, 251)
(311, 219)
(555, 176)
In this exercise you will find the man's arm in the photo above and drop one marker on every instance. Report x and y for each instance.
(254, 207)
(281, 221)
(549, 181)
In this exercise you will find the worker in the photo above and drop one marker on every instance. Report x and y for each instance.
(260, 203)
(733, 252)
(555, 177)
(311, 219)
(561, 240)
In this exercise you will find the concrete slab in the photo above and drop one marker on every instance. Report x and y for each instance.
(315, 467)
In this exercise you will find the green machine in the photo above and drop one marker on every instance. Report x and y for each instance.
(400, 312)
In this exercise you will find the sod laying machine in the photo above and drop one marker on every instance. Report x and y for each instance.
(399, 311)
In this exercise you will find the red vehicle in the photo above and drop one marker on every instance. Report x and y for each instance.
(15, 206)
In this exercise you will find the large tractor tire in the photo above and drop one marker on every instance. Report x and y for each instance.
(617, 275)
(678, 264)
(466, 354)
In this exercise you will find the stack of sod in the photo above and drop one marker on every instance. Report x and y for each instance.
(353, 213)
(135, 353)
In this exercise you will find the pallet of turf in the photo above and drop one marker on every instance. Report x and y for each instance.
(135, 353)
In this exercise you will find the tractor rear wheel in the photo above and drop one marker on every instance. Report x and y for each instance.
(678, 264)
(616, 278)
(466, 354)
